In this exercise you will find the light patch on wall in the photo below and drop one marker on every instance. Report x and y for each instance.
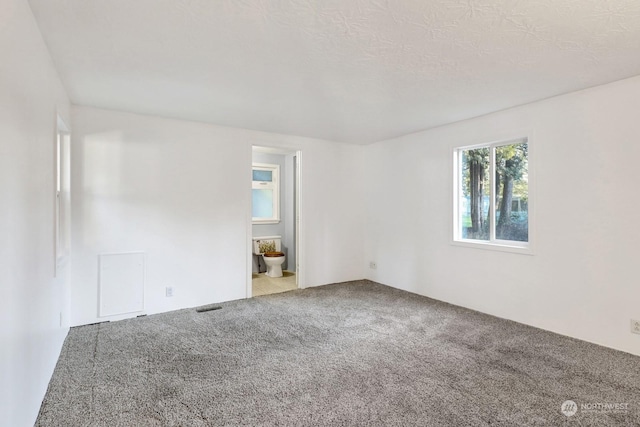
(121, 283)
(102, 160)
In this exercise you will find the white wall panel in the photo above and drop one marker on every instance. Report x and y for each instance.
(581, 279)
(181, 192)
(121, 281)
(34, 308)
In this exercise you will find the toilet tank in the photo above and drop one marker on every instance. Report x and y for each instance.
(258, 241)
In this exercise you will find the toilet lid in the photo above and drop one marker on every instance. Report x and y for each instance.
(273, 254)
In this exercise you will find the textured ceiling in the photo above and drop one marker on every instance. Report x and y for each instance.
(345, 70)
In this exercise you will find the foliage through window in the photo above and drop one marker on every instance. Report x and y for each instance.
(492, 194)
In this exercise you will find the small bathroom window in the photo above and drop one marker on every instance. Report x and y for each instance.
(265, 193)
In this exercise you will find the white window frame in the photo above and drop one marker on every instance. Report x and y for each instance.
(493, 243)
(274, 185)
(62, 204)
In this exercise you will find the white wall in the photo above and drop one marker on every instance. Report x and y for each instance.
(181, 192)
(583, 279)
(32, 300)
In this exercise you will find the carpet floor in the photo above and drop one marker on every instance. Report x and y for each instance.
(349, 354)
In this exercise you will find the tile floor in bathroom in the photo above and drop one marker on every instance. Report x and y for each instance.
(264, 285)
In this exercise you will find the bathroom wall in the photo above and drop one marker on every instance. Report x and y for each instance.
(289, 207)
(180, 192)
(34, 308)
(286, 208)
(582, 279)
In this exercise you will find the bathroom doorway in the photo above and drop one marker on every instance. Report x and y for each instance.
(274, 249)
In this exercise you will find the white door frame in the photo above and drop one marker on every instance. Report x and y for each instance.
(298, 224)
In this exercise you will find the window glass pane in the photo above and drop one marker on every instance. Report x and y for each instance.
(512, 192)
(58, 169)
(262, 203)
(260, 175)
(475, 194)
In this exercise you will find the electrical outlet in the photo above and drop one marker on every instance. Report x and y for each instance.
(169, 291)
(635, 326)
(373, 265)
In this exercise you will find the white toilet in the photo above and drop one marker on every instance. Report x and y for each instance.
(269, 248)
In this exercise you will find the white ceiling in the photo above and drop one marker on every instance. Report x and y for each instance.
(345, 70)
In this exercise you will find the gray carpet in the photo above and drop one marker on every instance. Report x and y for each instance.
(348, 354)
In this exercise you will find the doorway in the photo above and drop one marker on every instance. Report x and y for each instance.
(275, 221)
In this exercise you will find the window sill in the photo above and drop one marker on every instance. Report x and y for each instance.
(265, 221)
(495, 246)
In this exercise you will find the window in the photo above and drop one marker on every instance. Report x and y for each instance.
(492, 194)
(266, 193)
(61, 190)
